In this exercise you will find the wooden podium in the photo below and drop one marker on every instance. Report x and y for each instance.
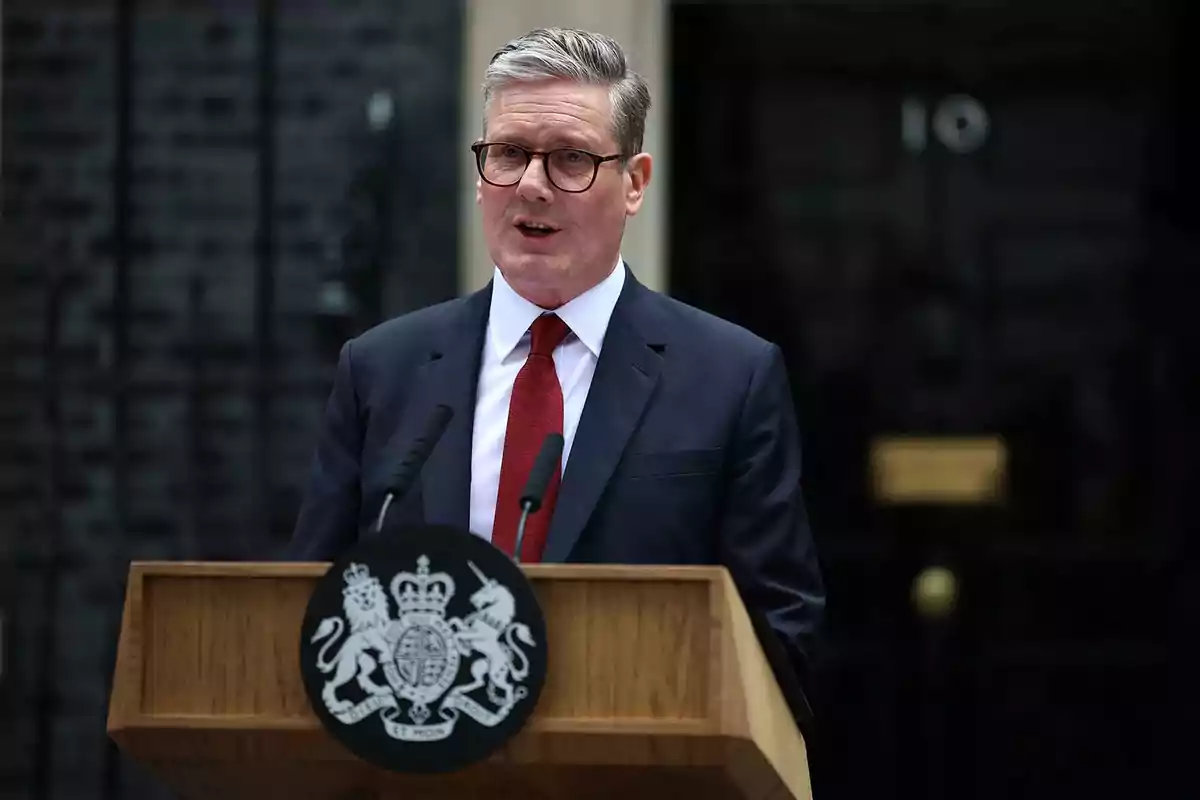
(656, 686)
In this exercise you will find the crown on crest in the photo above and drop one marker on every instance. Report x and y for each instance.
(422, 592)
(357, 574)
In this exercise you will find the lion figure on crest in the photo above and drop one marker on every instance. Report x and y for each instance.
(365, 606)
(489, 631)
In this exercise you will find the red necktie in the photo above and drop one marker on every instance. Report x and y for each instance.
(536, 410)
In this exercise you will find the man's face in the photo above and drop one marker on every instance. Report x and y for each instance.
(550, 268)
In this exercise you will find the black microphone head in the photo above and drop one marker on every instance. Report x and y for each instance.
(407, 470)
(543, 470)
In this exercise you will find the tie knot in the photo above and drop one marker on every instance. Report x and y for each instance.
(547, 332)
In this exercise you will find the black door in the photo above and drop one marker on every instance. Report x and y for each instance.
(944, 217)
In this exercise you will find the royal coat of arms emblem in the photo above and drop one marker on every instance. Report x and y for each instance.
(420, 651)
(423, 650)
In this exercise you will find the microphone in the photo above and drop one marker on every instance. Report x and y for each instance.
(535, 486)
(406, 472)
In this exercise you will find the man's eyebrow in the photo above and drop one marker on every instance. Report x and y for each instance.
(574, 141)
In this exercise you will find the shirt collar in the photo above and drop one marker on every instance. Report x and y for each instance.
(586, 315)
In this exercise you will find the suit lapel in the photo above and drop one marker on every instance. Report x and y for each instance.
(450, 377)
(625, 376)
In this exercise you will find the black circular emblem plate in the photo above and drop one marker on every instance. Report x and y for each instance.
(424, 650)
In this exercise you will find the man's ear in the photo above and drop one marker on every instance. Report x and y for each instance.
(637, 178)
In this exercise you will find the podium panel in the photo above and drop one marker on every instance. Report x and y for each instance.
(656, 686)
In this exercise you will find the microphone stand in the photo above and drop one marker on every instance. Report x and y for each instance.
(383, 512)
(544, 467)
(404, 475)
(527, 508)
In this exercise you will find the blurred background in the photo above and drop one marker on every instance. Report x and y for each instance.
(967, 223)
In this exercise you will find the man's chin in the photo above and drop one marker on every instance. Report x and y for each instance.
(536, 266)
(540, 279)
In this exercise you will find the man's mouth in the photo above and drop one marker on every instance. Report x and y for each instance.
(535, 230)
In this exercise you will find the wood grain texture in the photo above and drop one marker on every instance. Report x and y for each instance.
(656, 685)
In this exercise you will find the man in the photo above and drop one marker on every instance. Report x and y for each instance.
(681, 445)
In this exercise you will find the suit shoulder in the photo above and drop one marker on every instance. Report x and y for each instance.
(413, 329)
(706, 330)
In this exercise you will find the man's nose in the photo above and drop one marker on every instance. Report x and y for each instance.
(535, 183)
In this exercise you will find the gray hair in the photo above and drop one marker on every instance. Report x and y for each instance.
(582, 56)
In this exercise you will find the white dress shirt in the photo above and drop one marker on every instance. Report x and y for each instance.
(505, 348)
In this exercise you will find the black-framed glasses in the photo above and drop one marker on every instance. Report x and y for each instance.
(568, 168)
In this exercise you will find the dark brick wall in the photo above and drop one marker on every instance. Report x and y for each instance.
(166, 341)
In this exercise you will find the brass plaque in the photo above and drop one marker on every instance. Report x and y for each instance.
(938, 470)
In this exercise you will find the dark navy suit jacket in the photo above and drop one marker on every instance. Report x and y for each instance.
(687, 451)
